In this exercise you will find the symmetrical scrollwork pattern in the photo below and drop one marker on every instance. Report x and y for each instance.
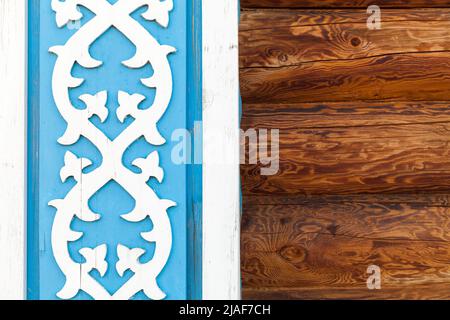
(148, 204)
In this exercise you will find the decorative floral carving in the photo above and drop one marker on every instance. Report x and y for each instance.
(148, 204)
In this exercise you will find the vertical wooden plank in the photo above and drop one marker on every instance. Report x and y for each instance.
(12, 146)
(33, 118)
(140, 217)
(194, 179)
(221, 199)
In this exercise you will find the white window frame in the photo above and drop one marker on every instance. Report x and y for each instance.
(221, 190)
(13, 96)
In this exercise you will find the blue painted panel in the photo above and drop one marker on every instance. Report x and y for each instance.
(194, 73)
(180, 279)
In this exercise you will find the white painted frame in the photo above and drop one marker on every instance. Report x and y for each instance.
(221, 185)
(13, 97)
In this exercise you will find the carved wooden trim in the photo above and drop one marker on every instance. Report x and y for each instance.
(148, 204)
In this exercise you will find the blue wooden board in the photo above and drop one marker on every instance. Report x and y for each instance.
(180, 279)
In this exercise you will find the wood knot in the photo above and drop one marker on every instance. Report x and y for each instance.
(283, 57)
(285, 221)
(293, 254)
(355, 41)
(332, 229)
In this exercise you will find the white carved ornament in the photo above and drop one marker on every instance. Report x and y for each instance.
(148, 204)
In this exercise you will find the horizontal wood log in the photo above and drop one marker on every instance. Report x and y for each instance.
(323, 249)
(413, 199)
(415, 76)
(433, 291)
(342, 3)
(284, 45)
(343, 114)
(352, 148)
(257, 19)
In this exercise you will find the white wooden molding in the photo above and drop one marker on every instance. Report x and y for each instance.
(13, 97)
(221, 195)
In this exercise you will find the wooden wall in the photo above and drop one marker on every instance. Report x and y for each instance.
(364, 120)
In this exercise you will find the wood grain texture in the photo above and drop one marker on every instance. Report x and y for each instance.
(414, 199)
(283, 45)
(364, 120)
(317, 250)
(353, 148)
(409, 76)
(428, 291)
(342, 3)
(311, 57)
(256, 19)
(343, 114)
